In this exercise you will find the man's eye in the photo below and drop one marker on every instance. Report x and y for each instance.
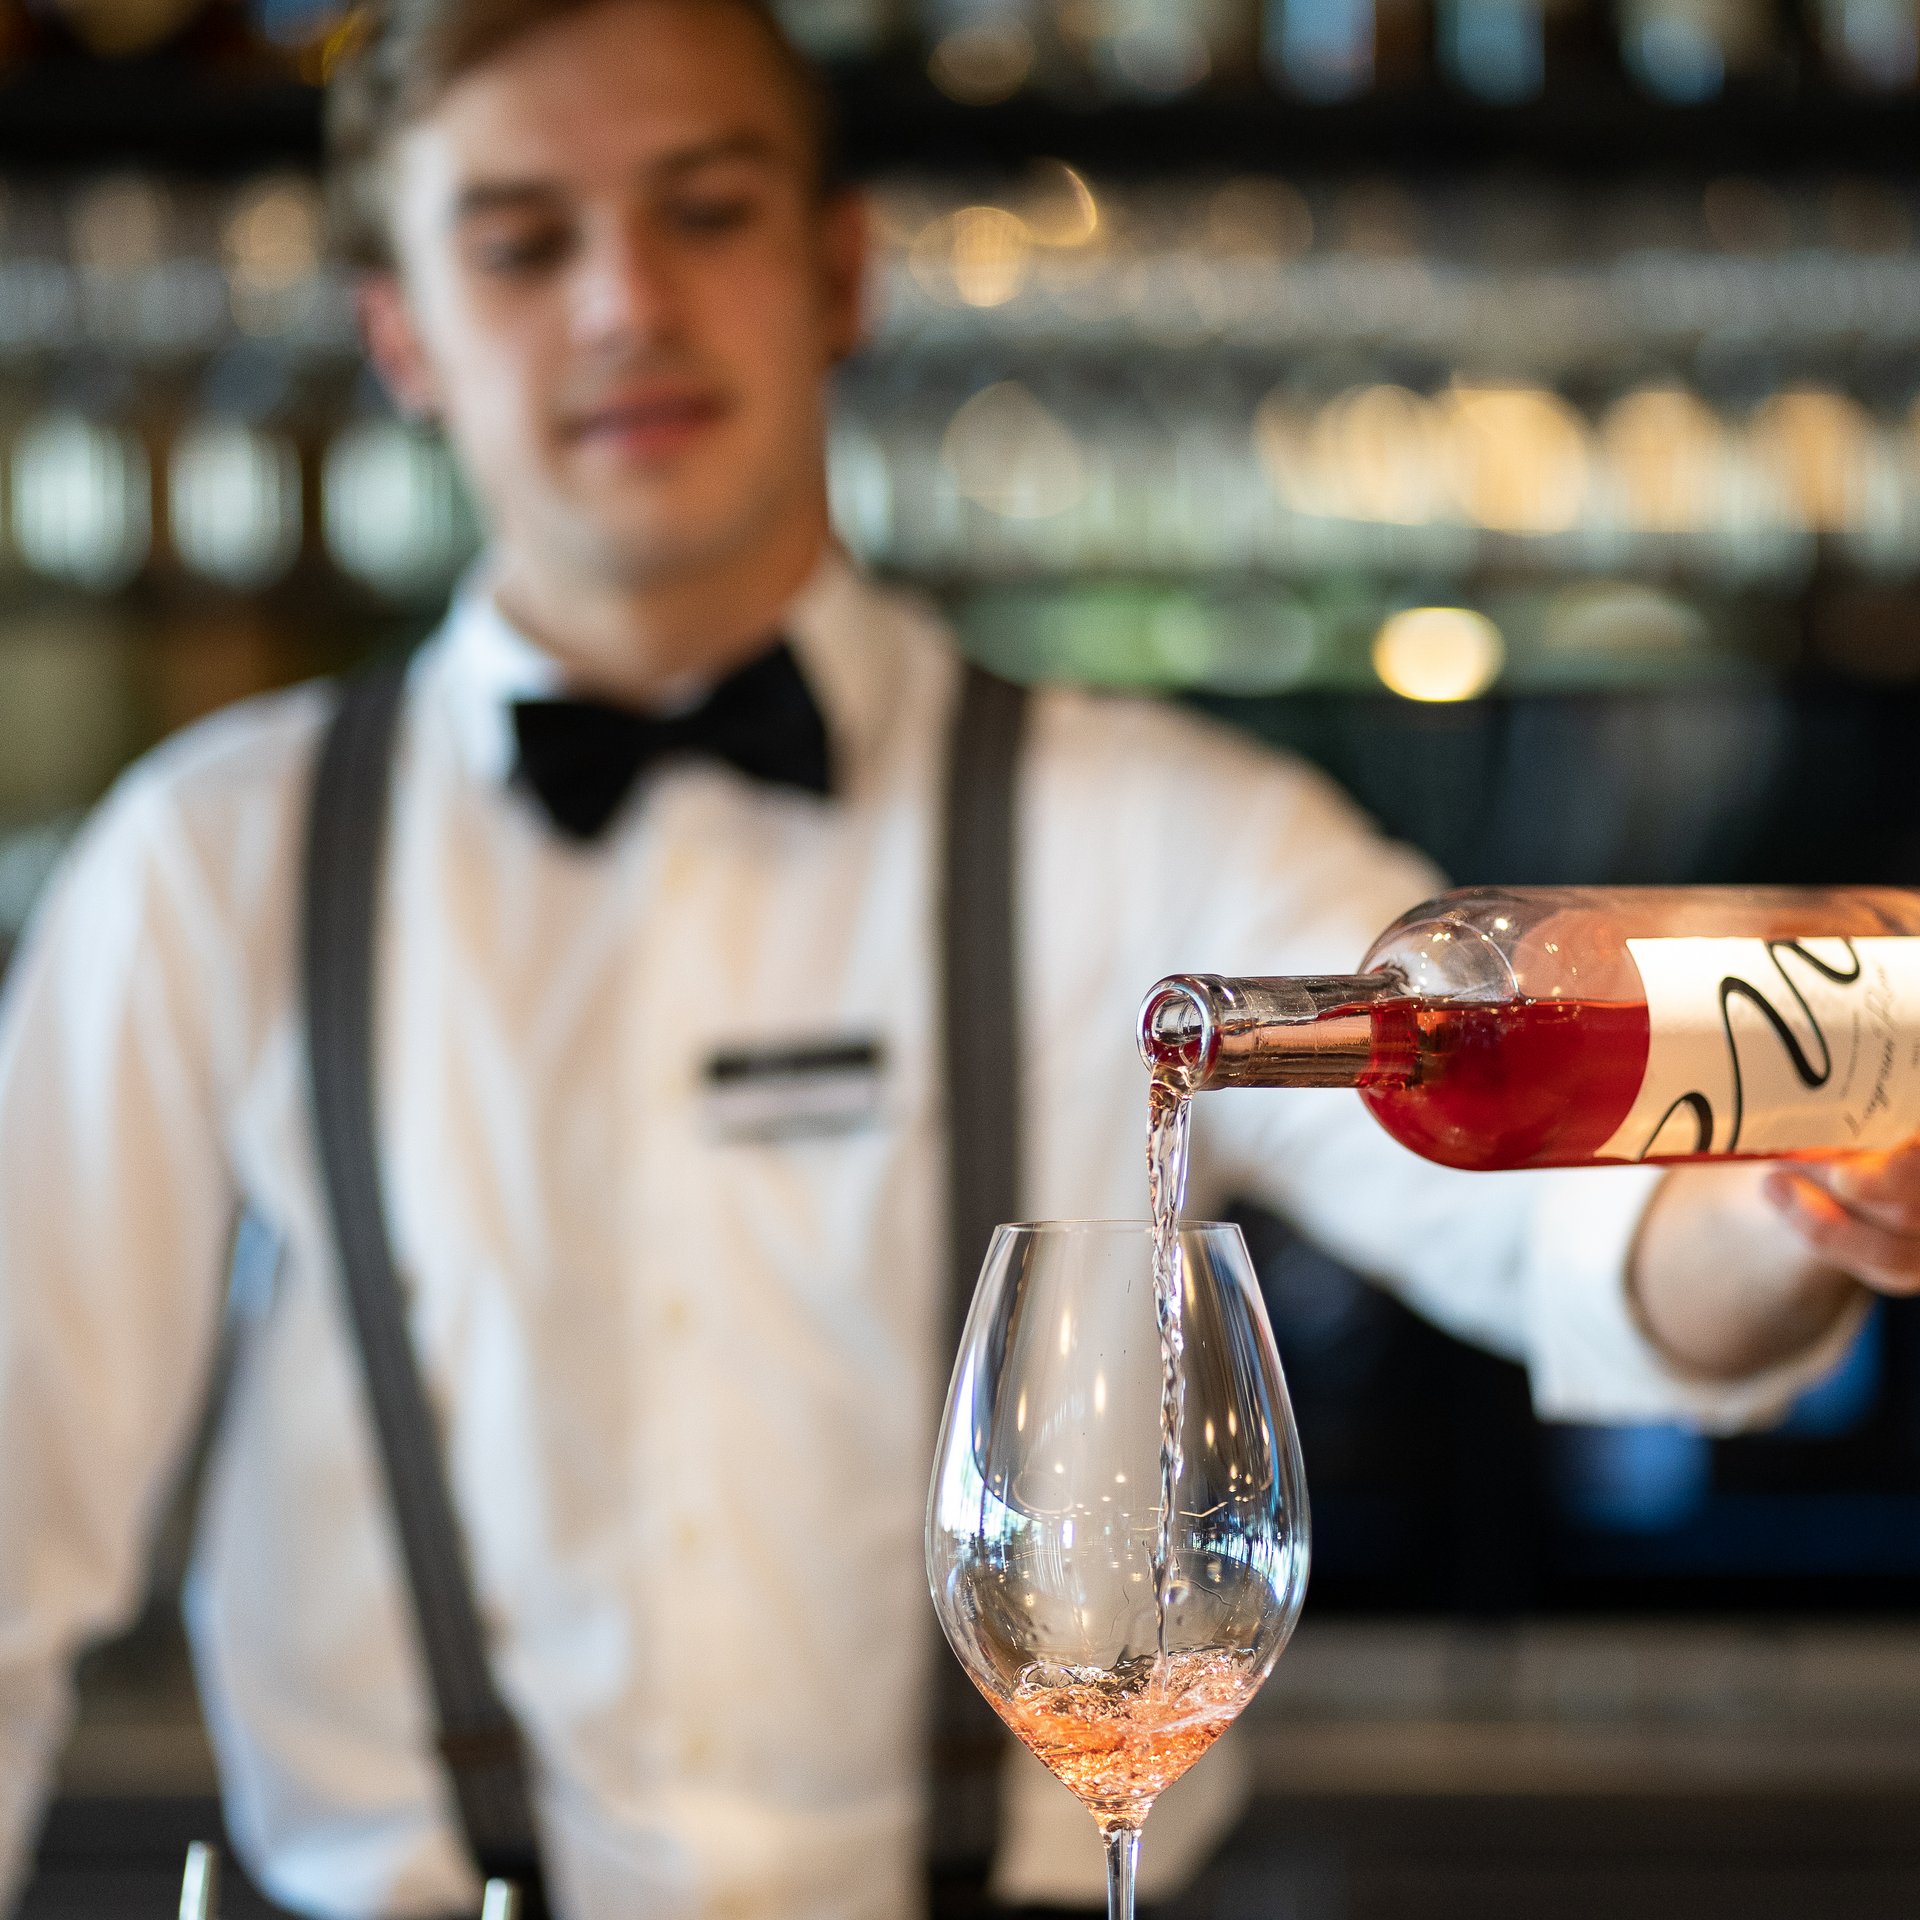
(714, 213)
(513, 254)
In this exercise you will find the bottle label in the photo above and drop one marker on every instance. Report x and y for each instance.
(1775, 1046)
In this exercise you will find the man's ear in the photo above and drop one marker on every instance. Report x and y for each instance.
(844, 230)
(393, 345)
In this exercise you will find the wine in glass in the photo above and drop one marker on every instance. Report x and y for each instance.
(1044, 1523)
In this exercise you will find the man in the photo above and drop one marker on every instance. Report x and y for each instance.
(685, 1368)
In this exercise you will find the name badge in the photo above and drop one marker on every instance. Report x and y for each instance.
(807, 1090)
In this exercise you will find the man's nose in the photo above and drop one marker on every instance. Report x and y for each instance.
(627, 290)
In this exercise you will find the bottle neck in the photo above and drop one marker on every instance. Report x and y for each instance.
(1202, 1031)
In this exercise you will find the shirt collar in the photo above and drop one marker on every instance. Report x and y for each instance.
(486, 664)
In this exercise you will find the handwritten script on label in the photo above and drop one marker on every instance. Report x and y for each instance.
(1775, 1046)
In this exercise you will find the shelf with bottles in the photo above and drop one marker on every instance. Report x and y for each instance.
(1198, 471)
(1232, 376)
(1121, 85)
(1328, 53)
(1551, 280)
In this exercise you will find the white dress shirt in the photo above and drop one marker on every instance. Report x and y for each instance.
(686, 1360)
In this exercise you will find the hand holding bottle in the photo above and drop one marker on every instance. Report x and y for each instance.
(1861, 1213)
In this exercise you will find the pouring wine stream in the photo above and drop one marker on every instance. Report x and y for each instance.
(1169, 1124)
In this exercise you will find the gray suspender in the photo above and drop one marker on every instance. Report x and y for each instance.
(345, 835)
(984, 1158)
(346, 831)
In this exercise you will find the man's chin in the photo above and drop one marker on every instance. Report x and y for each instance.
(653, 548)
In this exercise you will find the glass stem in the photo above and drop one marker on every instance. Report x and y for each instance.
(1123, 1854)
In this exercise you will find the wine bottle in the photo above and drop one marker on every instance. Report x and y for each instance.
(1568, 1026)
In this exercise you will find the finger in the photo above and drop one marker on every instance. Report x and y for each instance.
(1880, 1188)
(1887, 1262)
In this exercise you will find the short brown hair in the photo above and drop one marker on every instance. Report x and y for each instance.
(392, 60)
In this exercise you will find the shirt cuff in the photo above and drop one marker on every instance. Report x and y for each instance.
(1589, 1359)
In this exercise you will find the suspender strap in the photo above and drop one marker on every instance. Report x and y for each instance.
(983, 1170)
(345, 840)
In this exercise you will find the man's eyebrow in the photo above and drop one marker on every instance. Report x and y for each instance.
(480, 198)
(733, 146)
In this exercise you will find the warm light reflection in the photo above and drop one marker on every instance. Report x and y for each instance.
(1438, 653)
(1666, 450)
(1522, 457)
(1383, 453)
(978, 256)
(273, 242)
(1058, 206)
(1817, 446)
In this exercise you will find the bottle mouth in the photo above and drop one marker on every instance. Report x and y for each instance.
(1180, 1023)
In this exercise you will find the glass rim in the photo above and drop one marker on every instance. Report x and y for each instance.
(1095, 1224)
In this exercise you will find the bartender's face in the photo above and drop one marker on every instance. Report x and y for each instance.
(621, 290)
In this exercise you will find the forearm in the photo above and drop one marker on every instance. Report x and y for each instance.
(1722, 1283)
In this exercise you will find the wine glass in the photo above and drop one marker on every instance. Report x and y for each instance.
(1044, 1523)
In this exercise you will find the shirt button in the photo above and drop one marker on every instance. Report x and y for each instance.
(686, 1536)
(674, 1316)
(697, 1750)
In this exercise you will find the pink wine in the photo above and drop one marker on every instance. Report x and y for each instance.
(1119, 1737)
(1520, 1083)
(1538, 1027)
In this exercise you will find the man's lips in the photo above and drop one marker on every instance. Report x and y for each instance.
(649, 426)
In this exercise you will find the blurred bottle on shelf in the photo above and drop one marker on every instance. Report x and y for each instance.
(234, 492)
(1158, 49)
(1323, 50)
(272, 245)
(394, 515)
(81, 497)
(1686, 51)
(981, 52)
(1873, 45)
(839, 29)
(1495, 50)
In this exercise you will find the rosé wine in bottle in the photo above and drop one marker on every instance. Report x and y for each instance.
(1571, 1026)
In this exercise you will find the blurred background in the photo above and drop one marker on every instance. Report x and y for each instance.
(1513, 405)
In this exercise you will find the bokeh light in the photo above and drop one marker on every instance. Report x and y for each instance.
(1438, 653)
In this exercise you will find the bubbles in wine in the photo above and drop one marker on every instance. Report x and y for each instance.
(1119, 1737)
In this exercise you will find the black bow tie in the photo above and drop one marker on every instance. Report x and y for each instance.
(581, 757)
